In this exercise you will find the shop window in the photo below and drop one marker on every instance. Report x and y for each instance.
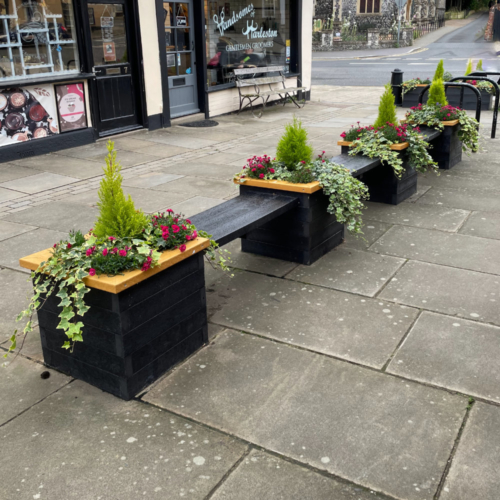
(242, 34)
(37, 36)
(177, 38)
(369, 6)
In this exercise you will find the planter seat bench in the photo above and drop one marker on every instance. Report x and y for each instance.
(253, 89)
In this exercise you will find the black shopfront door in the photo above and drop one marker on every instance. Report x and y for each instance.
(113, 56)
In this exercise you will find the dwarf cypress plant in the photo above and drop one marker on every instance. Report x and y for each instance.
(468, 69)
(386, 109)
(437, 94)
(293, 148)
(439, 71)
(118, 216)
(479, 65)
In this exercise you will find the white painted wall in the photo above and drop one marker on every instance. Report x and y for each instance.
(151, 56)
(307, 16)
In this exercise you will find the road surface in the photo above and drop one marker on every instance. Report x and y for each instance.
(454, 48)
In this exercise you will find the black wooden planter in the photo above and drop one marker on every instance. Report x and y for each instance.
(384, 186)
(446, 149)
(133, 337)
(410, 99)
(303, 235)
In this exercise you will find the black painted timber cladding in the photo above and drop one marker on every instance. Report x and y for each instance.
(447, 148)
(132, 338)
(303, 234)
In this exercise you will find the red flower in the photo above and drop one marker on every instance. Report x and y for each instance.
(170, 211)
(188, 237)
(271, 170)
(261, 176)
(89, 252)
(175, 228)
(55, 244)
(91, 271)
(105, 252)
(111, 238)
(188, 221)
(123, 253)
(165, 236)
(184, 227)
(68, 246)
(182, 248)
(195, 235)
(114, 250)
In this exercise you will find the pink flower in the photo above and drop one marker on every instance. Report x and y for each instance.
(165, 236)
(123, 253)
(170, 211)
(111, 238)
(114, 250)
(184, 227)
(55, 244)
(91, 271)
(175, 228)
(271, 170)
(105, 252)
(89, 252)
(188, 221)
(303, 162)
(68, 246)
(261, 176)
(194, 235)
(182, 248)
(188, 237)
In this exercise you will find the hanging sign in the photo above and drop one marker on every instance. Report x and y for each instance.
(107, 22)
(181, 21)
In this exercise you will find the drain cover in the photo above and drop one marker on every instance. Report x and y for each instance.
(201, 123)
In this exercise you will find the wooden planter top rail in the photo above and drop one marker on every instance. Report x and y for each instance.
(116, 284)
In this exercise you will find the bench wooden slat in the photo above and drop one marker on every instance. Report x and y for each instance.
(261, 69)
(259, 81)
(237, 217)
(358, 164)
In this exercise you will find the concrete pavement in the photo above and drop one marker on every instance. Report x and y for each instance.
(370, 374)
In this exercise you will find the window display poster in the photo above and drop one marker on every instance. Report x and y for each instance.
(109, 50)
(71, 106)
(27, 113)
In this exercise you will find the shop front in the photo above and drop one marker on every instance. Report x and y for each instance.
(73, 71)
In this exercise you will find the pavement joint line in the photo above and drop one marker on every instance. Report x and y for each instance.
(357, 364)
(251, 445)
(449, 462)
(402, 341)
(37, 403)
(463, 224)
(224, 478)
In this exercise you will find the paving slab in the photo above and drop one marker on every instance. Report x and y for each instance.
(8, 194)
(197, 168)
(257, 263)
(372, 231)
(85, 152)
(450, 179)
(413, 214)
(383, 433)
(265, 477)
(448, 290)
(150, 180)
(180, 140)
(470, 166)
(65, 165)
(195, 205)
(163, 150)
(456, 354)
(58, 215)
(81, 443)
(470, 199)
(474, 470)
(10, 172)
(15, 288)
(439, 247)
(225, 158)
(484, 224)
(9, 229)
(131, 158)
(153, 201)
(29, 346)
(38, 183)
(21, 387)
(354, 271)
(13, 249)
(209, 188)
(362, 330)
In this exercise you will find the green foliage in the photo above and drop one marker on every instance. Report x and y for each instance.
(479, 65)
(439, 74)
(412, 84)
(292, 148)
(118, 215)
(437, 94)
(447, 76)
(468, 69)
(386, 108)
(433, 116)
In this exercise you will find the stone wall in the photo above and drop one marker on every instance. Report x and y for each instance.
(323, 9)
(373, 41)
(488, 34)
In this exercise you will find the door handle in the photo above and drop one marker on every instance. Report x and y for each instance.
(192, 45)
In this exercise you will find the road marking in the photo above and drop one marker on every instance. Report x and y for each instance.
(420, 64)
(413, 59)
(365, 63)
(459, 59)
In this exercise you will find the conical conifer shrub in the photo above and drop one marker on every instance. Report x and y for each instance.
(293, 148)
(468, 69)
(439, 71)
(118, 216)
(437, 94)
(386, 109)
(479, 65)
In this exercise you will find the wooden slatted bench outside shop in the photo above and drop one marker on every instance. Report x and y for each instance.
(263, 87)
(129, 341)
